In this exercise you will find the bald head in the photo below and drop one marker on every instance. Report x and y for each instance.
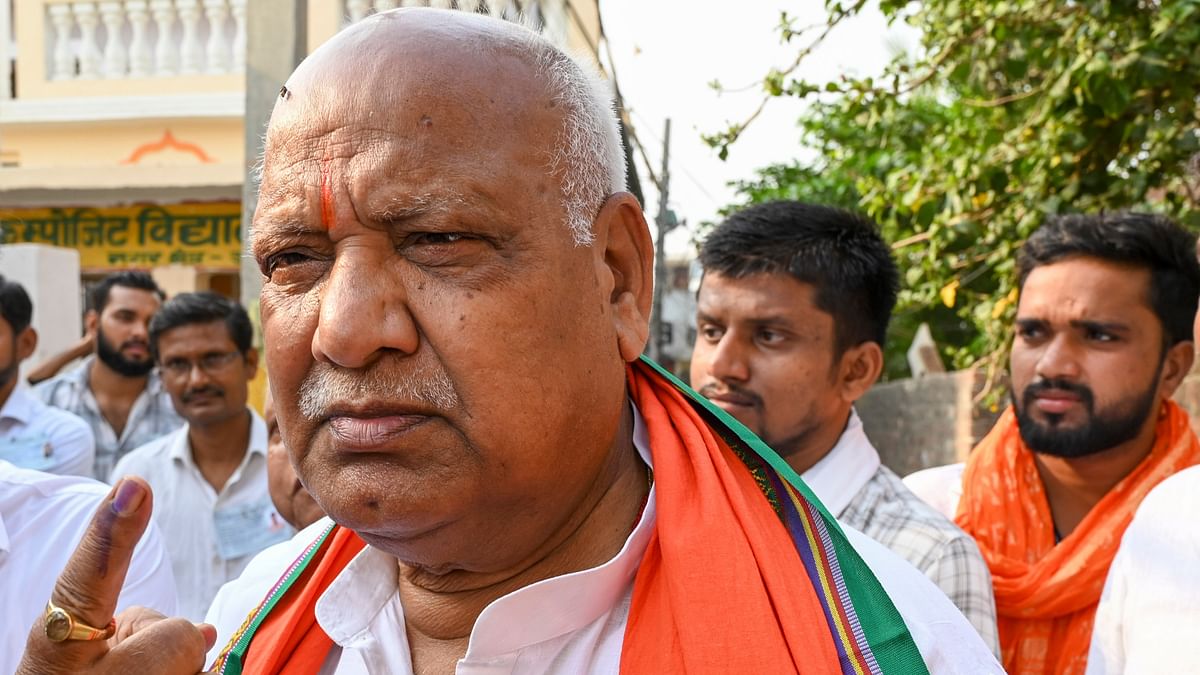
(496, 76)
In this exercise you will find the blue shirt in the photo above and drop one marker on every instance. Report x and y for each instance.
(35, 436)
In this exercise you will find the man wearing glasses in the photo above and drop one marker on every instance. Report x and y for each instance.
(209, 477)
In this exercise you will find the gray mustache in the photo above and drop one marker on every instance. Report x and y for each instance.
(328, 386)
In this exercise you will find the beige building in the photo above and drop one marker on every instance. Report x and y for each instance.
(121, 123)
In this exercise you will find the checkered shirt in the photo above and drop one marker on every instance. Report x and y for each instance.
(153, 415)
(891, 514)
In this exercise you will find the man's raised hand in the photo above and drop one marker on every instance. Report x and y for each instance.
(88, 588)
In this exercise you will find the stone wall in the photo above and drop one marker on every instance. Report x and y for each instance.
(932, 421)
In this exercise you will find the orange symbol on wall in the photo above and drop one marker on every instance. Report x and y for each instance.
(167, 142)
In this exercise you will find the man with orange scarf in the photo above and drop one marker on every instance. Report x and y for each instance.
(1103, 339)
(456, 297)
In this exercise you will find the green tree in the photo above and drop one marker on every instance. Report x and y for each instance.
(1015, 110)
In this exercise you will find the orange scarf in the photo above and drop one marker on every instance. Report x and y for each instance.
(1046, 594)
(721, 588)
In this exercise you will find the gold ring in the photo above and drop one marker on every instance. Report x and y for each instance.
(60, 626)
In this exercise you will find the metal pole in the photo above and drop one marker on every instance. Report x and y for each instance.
(664, 223)
(276, 42)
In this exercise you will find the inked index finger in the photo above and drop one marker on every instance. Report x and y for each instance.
(91, 582)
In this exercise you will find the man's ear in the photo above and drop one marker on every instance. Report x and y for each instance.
(251, 361)
(90, 320)
(1177, 363)
(858, 369)
(628, 262)
(26, 343)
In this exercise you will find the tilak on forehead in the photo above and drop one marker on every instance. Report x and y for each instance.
(326, 187)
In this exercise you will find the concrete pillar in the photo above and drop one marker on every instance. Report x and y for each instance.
(50, 276)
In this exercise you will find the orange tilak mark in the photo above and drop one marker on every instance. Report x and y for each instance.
(326, 195)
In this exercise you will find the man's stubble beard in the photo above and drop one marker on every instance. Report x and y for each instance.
(1118, 424)
(111, 357)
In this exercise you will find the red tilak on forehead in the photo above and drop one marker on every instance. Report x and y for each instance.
(327, 215)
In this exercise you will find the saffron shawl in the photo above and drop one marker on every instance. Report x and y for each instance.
(1046, 594)
(745, 572)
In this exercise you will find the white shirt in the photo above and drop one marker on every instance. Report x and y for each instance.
(862, 493)
(939, 487)
(35, 436)
(1148, 620)
(571, 624)
(210, 536)
(42, 518)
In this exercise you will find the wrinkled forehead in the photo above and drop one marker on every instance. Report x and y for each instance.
(382, 85)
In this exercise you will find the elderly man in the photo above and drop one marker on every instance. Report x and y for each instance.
(116, 391)
(455, 302)
(210, 476)
(791, 318)
(1104, 337)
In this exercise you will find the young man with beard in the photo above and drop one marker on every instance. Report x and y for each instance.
(210, 476)
(32, 434)
(116, 391)
(1103, 338)
(792, 315)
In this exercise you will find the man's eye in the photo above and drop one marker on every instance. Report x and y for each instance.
(285, 259)
(770, 337)
(436, 238)
(711, 332)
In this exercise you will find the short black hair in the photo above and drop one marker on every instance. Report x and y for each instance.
(1149, 241)
(15, 307)
(128, 279)
(186, 309)
(839, 252)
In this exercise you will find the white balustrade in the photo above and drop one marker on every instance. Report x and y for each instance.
(111, 39)
(356, 10)
(166, 57)
(115, 53)
(139, 41)
(239, 34)
(89, 52)
(64, 57)
(190, 54)
(217, 12)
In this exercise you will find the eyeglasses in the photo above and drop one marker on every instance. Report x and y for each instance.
(209, 363)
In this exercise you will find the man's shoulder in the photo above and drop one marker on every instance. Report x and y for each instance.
(945, 638)
(148, 456)
(238, 598)
(34, 492)
(940, 487)
(1177, 496)
(55, 390)
(894, 511)
(62, 422)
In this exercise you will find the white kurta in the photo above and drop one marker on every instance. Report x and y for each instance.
(569, 624)
(1148, 620)
(211, 536)
(42, 518)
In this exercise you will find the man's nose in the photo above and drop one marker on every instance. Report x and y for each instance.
(729, 360)
(1060, 359)
(197, 375)
(363, 311)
